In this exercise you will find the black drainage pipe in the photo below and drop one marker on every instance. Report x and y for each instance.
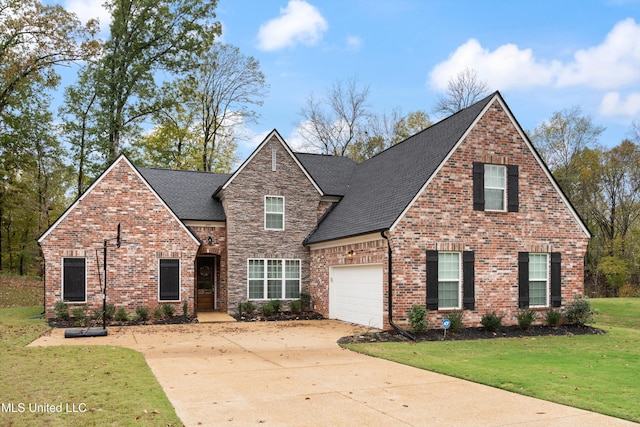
(390, 291)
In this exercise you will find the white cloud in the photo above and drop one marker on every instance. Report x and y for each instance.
(353, 43)
(613, 105)
(612, 64)
(90, 9)
(299, 22)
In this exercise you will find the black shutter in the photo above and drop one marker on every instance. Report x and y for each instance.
(512, 188)
(468, 284)
(74, 279)
(432, 280)
(523, 279)
(556, 279)
(169, 279)
(478, 186)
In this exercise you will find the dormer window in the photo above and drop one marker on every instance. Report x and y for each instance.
(274, 213)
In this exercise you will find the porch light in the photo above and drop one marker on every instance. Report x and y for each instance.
(210, 240)
(350, 253)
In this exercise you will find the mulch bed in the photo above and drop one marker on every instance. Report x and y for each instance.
(282, 316)
(71, 323)
(473, 334)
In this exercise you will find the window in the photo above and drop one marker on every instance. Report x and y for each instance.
(448, 280)
(274, 213)
(273, 278)
(169, 280)
(538, 279)
(74, 285)
(494, 187)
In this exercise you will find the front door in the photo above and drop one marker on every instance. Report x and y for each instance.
(205, 270)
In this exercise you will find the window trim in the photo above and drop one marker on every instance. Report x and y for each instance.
(84, 301)
(547, 279)
(266, 212)
(265, 279)
(460, 277)
(160, 299)
(504, 189)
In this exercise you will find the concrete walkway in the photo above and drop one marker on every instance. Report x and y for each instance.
(294, 374)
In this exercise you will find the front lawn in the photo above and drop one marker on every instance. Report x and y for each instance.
(73, 385)
(599, 373)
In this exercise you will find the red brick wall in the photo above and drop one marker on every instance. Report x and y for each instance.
(243, 202)
(443, 219)
(149, 233)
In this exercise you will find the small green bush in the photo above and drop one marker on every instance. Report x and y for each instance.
(62, 310)
(121, 315)
(246, 308)
(142, 313)
(455, 318)
(168, 310)
(111, 312)
(276, 304)
(305, 299)
(158, 313)
(295, 306)
(579, 311)
(491, 321)
(80, 316)
(553, 317)
(267, 309)
(185, 310)
(526, 317)
(417, 318)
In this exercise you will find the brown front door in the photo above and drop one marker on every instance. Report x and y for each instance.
(205, 271)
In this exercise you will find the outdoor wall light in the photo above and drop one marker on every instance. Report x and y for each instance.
(210, 240)
(350, 253)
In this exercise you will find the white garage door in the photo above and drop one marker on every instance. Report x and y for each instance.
(355, 294)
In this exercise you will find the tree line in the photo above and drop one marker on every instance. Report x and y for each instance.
(160, 87)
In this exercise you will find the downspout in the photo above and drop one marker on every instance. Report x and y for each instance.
(390, 290)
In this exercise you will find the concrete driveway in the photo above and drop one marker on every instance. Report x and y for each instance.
(294, 374)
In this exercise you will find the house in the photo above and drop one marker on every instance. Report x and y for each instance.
(463, 216)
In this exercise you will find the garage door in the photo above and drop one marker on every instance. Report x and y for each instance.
(355, 294)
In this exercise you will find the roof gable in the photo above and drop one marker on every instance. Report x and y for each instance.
(121, 159)
(273, 134)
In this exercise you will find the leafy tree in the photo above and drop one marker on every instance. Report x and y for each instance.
(463, 90)
(333, 123)
(34, 38)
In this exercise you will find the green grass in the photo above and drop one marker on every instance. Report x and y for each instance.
(113, 385)
(18, 291)
(599, 373)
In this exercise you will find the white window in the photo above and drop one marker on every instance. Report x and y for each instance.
(449, 280)
(538, 280)
(273, 278)
(274, 213)
(169, 280)
(495, 187)
(74, 284)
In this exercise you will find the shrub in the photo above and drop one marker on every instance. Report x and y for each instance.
(295, 306)
(553, 317)
(267, 309)
(276, 304)
(80, 316)
(111, 311)
(491, 321)
(246, 307)
(526, 317)
(142, 313)
(185, 310)
(62, 310)
(121, 315)
(579, 311)
(417, 318)
(158, 313)
(305, 299)
(455, 318)
(168, 310)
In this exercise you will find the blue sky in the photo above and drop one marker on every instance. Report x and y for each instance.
(542, 55)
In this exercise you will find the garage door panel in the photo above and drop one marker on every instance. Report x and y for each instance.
(356, 294)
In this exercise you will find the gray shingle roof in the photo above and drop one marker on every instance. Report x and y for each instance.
(383, 186)
(188, 193)
(331, 173)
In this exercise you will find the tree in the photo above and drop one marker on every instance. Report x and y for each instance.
(333, 123)
(462, 90)
(34, 38)
(146, 36)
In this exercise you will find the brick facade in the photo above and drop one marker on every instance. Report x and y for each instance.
(149, 233)
(243, 201)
